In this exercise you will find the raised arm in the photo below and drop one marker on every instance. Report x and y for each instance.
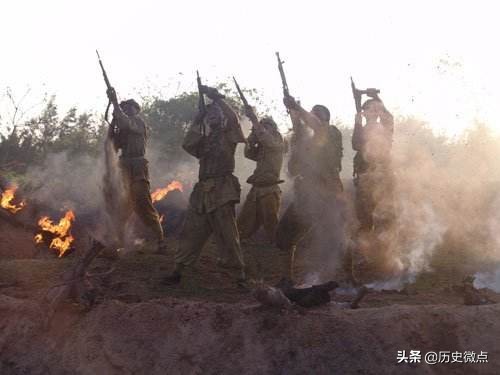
(218, 98)
(251, 150)
(193, 141)
(233, 122)
(308, 118)
(387, 120)
(261, 133)
(134, 124)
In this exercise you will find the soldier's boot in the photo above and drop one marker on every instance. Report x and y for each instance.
(253, 265)
(175, 277)
(233, 268)
(242, 282)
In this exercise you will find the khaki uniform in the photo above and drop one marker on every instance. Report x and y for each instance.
(316, 163)
(211, 204)
(263, 202)
(373, 175)
(130, 138)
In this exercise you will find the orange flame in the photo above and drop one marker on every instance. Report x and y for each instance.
(161, 193)
(38, 238)
(63, 240)
(7, 197)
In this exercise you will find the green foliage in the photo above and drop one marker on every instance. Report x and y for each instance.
(46, 133)
(78, 134)
(168, 121)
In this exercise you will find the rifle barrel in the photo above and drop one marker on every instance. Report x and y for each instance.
(286, 92)
(240, 93)
(104, 74)
(201, 101)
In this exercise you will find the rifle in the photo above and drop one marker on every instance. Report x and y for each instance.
(242, 96)
(201, 102)
(296, 128)
(108, 85)
(282, 74)
(357, 93)
(244, 100)
(357, 96)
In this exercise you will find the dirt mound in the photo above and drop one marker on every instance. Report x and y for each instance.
(208, 326)
(16, 242)
(173, 336)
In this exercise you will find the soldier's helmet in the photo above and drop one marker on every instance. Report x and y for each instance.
(322, 112)
(130, 103)
(268, 120)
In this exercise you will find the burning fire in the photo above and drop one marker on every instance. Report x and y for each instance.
(62, 232)
(7, 198)
(161, 193)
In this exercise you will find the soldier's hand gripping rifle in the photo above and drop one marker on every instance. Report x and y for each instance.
(357, 93)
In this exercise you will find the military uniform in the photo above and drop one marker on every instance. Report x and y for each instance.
(211, 204)
(130, 137)
(262, 204)
(373, 175)
(315, 162)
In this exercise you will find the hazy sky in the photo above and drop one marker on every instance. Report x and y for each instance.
(433, 59)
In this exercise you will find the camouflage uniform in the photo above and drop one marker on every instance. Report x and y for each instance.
(262, 204)
(211, 204)
(130, 137)
(315, 162)
(373, 175)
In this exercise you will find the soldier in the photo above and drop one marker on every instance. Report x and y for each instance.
(372, 164)
(129, 135)
(264, 145)
(212, 139)
(315, 163)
